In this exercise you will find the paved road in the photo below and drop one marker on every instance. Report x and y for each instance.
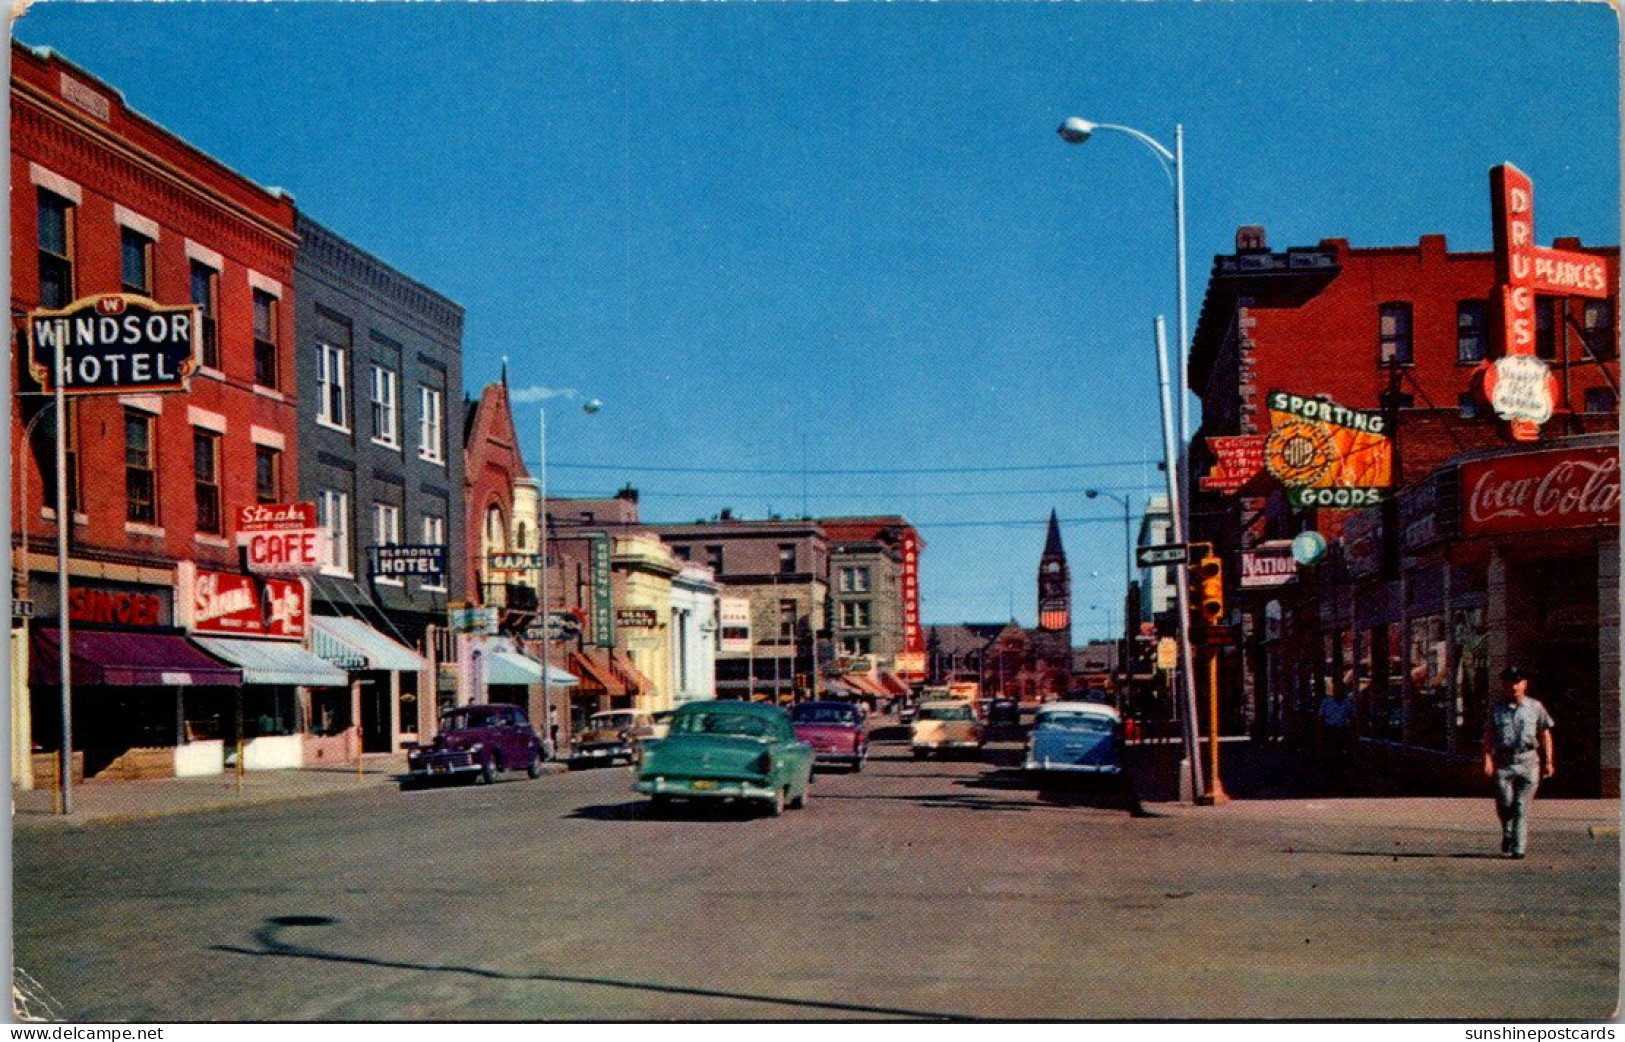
(935, 889)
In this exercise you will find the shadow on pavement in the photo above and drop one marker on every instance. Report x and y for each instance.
(270, 944)
(678, 810)
(1467, 855)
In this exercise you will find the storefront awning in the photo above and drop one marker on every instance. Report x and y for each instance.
(352, 644)
(119, 658)
(867, 685)
(893, 684)
(840, 687)
(510, 667)
(274, 662)
(630, 675)
(596, 674)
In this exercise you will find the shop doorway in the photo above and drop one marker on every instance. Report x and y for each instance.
(376, 735)
(1560, 648)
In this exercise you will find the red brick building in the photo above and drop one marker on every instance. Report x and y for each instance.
(105, 201)
(1408, 614)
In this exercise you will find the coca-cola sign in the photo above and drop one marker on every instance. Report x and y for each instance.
(1532, 492)
(247, 606)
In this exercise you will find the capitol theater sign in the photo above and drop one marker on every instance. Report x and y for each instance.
(1519, 385)
(1539, 491)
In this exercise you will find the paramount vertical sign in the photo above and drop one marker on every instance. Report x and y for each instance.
(114, 343)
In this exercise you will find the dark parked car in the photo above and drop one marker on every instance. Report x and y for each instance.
(834, 730)
(1003, 712)
(479, 741)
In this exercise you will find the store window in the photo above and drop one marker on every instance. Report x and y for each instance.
(140, 469)
(265, 339)
(270, 711)
(206, 480)
(135, 260)
(1601, 399)
(1470, 677)
(206, 295)
(1394, 335)
(1427, 682)
(55, 249)
(1472, 331)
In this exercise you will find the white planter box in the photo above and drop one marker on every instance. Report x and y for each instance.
(273, 752)
(199, 758)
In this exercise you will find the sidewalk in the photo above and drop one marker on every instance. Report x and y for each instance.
(106, 802)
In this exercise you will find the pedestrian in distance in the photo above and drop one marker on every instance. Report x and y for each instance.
(1337, 737)
(1518, 756)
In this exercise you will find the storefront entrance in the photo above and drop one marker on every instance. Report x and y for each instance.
(1556, 640)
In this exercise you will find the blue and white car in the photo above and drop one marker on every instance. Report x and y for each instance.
(1075, 738)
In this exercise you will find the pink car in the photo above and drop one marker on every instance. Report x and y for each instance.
(835, 730)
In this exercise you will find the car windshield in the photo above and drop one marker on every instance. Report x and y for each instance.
(610, 721)
(465, 719)
(1076, 721)
(824, 715)
(746, 725)
(946, 713)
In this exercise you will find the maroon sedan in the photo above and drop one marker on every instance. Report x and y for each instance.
(834, 730)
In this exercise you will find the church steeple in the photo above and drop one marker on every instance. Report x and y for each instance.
(1054, 583)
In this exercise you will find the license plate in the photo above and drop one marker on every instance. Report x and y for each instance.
(705, 784)
(437, 768)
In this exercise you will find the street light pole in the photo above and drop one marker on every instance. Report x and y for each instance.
(1128, 573)
(546, 606)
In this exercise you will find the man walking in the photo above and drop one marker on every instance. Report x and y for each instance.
(1517, 754)
(1337, 738)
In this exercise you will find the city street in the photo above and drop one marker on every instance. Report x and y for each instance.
(931, 889)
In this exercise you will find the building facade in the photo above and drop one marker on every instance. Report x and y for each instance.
(104, 201)
(380, 358)
(871, 603)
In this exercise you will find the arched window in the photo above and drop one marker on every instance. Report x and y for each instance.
(496, 539)
(521, 537)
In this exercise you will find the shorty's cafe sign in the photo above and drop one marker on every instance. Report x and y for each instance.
(1537, 491)
(246, 606)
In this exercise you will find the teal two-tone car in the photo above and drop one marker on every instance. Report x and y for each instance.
(728, 751)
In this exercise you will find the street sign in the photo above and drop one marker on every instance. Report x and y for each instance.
(1167, 654)
(1170, 553)
(114, 343)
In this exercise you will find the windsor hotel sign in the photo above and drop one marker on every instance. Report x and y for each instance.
(114, 342)
(1537, 491)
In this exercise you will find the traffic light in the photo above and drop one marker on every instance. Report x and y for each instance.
(1207, 576)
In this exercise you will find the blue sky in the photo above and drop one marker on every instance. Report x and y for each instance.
(847, 236)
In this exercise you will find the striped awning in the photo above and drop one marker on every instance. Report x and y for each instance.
(274, 662)
(352, 644)
(510, 667)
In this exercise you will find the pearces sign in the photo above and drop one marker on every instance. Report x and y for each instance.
(1533, 492)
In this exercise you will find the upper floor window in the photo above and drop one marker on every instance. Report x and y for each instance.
(135, 255)
(787, 557)
(855, 615)
(55, 250)
(265, 339)
(713, 558)
(1598, 323)
(434, 534)
(1548, 320)
(431, 424)
(206, 480)
(683, 553)
(787, 619)
(855, 579)
(267, 474)
(332, 377)
(206, 295)
(140, 469)
(333, 514)
(386, 531)
(385, 428)
(1472, 330)
(1394, 334)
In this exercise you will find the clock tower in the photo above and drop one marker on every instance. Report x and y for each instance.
(1054, 585)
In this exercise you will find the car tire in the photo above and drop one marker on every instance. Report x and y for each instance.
(857, 762)
(660, 802)
(920, 754)
(488, 771)
(534, 767)
(775, 806)
(800, 802)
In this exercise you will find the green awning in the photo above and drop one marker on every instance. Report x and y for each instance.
(274, 662)
(352, 644)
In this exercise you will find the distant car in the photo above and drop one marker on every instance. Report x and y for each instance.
(613, 735)
(944, 727)
(1002, 712)
(477, 741)
(1075, 737)
(728, 751)
(659, 724)
(835, 730)
(906, 711)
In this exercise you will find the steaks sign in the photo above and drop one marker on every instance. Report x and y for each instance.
(282, 538)
(1533, 492)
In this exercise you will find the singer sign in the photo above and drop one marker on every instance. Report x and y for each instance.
(282, 538)
(1534, 492)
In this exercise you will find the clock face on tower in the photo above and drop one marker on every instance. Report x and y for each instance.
(1053, 567)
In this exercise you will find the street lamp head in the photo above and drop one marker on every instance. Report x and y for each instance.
(1091, 493)
(591, 405)
(1075, 130)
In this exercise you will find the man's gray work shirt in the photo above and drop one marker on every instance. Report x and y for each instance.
(1514, 729)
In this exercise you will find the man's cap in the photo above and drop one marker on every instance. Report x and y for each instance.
(1513, 674)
